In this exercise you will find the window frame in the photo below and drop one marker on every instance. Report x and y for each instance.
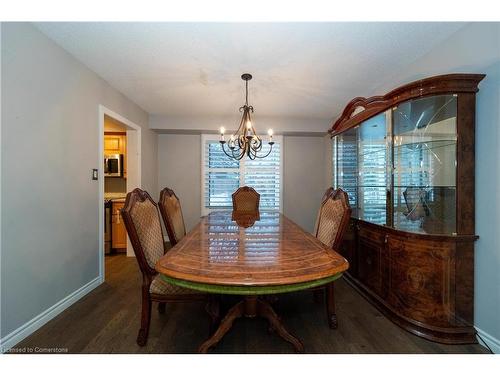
(216, 137)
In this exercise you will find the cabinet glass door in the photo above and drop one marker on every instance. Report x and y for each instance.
(373, 160)
(424, 138)
(345, 163)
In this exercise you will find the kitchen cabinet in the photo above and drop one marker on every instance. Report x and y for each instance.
(118, 231)
(116, 143)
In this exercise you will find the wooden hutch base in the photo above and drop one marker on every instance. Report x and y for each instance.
(421, 282)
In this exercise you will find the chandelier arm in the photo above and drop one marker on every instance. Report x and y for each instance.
(266, 155)
(241, 153)
(237, 156)
(237, 132)
(241, 141)
(224, 149)
(251, 153)
(250, 119)
(258, 147)
(241, 127)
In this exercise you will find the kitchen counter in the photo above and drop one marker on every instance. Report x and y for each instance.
(115, 196)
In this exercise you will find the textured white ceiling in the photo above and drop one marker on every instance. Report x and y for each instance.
(303, 72)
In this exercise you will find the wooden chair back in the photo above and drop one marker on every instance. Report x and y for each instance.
(333, 218)
(171, 212)
(246, 199)
(415, 200)
(328, 191)
(142, 221)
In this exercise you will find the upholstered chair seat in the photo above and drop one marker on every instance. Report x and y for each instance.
(161, 287)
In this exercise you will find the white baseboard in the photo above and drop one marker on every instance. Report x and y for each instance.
(492, 342)
(28, 328)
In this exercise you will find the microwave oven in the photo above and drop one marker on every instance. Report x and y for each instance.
(113, 165)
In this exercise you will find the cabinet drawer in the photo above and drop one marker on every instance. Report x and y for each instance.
(371, 253)
(112, 144)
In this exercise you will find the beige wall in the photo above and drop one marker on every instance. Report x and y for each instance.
(303, 178)
(50, 135)
(328, 161)
(179, 168)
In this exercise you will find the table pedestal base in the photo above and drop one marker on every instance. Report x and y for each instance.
(251, 307)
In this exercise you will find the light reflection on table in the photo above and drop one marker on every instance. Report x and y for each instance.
(251, 238)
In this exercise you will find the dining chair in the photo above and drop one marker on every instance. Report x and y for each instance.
(333, 220)
(416, 203)
(142, 222)
(327, 193)
(171, 213)
(246, 199)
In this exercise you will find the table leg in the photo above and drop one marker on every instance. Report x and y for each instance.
(251, 307)
(213, 309)
(234, 313)
(266, 311)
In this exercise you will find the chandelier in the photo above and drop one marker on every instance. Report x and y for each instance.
(245, 141)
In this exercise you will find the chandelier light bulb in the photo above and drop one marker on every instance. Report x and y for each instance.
(222, 130)
(270, 132)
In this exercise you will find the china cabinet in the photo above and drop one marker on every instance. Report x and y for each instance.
(406, 160)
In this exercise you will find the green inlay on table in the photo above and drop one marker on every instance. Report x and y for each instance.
(249, 290)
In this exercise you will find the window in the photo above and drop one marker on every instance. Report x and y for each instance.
(222, 176)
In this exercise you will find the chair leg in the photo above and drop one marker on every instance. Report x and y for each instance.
(161, 307)
(142, 337)
(330, 307)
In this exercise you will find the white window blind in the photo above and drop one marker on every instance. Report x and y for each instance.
(222, 175)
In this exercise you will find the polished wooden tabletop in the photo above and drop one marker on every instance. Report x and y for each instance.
(241, 250)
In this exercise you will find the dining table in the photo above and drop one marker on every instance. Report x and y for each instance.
(251, 255)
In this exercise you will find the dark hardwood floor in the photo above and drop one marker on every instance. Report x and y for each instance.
(107, 320)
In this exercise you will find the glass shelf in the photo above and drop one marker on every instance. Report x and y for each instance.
(399, 167)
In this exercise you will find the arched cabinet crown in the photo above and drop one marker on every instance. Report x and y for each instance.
(406, 160)
(360, 109)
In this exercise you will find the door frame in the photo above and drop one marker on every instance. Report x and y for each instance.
(102, 110)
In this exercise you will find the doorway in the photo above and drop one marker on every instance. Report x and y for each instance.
(124, 175)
